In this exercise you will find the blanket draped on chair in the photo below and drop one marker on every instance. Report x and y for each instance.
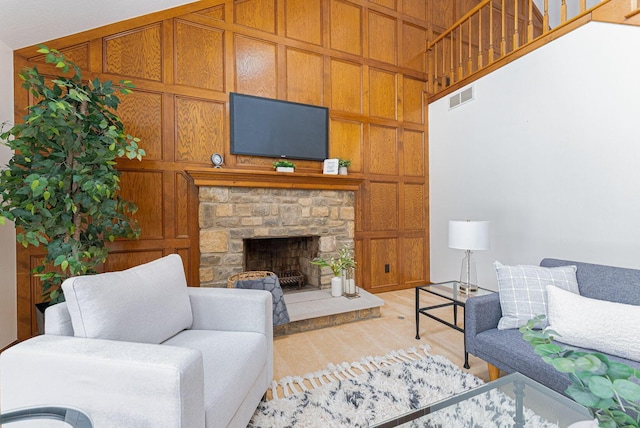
(269, 283)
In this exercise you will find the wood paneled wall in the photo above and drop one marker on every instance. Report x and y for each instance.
(363, 59)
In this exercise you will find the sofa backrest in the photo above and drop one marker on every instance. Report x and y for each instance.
(602, 282)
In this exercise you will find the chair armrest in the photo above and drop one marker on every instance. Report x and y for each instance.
(481, 313)
(115, 383)
(233, 309)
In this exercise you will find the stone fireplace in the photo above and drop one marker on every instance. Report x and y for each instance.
(292, 225)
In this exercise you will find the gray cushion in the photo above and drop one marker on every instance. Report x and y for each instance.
(147, 303)
(523, 292)
(269, 283)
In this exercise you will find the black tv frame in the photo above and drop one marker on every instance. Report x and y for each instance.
(268, 113)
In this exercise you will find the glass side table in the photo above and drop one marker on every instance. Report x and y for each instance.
(450, 291)
(46, 417)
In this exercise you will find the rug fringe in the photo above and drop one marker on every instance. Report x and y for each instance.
(290, 385)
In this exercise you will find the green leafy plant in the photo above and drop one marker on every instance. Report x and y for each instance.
(344, 162)
(60, 187)
(337, 265)
(346, 258)
(605, 387)
(284, 163)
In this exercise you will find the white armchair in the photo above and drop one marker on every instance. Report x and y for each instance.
(202, 357)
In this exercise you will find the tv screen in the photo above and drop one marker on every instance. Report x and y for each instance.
(279, 129)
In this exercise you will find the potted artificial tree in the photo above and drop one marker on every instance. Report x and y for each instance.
(60, 188)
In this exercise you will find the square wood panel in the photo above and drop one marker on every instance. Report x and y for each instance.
(414, 260)
(384, 206)
(256, 67)
(305, 77)
(141, 113)
(414, 206)
(135, 53)
(413, 100)
(414, 44)
(415, 8)
(199, 56)
(382, 94)
(145, 189)
(303, 20)
(346, 27)
(346, 86)
(258, 14)
(383, 150)
(384, 256)
(197, 143)
(413, 153)
(383, 38)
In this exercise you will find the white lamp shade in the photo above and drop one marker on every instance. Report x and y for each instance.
(469, 235)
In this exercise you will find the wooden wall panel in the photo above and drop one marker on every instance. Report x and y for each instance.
(256, 69)
(197, 143)
(360, 58)
(195, 66)
(414, 153)
(383, 38)
(346, 142)
(415, 262)
(141, 113)
(303, 20)
(383, 150)
(415, 8)
(413, 100)
(383, 94)
(384, 206)
(414, 40)
(305, 77)
(145, 189)
(384, 253)
(182, 205)
(346, 86)
(414, 206)
(135, 53)
(346, 27)
(258, 14)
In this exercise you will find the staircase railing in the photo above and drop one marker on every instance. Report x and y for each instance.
(493, 30)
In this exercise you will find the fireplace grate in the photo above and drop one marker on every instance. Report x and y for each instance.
(291, 277)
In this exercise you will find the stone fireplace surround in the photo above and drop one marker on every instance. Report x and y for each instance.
(230, 215)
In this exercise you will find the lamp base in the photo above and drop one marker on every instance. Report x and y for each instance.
(467, 288)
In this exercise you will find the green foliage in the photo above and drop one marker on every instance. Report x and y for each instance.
(60, 188)
(284, 163)
(344, 162)
(605, 387)
(344, 261)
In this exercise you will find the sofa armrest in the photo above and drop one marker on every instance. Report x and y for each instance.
(481, 313)
(233, 309)
(115, 383)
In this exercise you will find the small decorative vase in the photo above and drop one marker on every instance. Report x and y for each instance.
(336, 286)
(342, 170)
(349, 283)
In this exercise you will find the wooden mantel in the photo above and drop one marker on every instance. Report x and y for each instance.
(271, 179)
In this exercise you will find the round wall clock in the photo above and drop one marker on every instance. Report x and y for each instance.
(216, 160)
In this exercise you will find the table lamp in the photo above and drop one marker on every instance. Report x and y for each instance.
(469, 236)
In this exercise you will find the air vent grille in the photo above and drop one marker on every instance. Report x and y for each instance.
(461, 97)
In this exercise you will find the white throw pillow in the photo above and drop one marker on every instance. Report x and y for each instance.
(594, 324)
(523, 293)
(147, 303)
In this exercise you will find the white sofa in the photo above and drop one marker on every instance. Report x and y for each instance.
(138, 348)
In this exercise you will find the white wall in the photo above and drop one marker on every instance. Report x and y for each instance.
(8, 316)
(549, 152)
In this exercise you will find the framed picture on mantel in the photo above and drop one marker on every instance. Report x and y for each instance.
(330, 167)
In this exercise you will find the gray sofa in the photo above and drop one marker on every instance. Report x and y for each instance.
(506, 350)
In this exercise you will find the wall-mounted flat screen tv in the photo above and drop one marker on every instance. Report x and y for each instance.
(278, 129)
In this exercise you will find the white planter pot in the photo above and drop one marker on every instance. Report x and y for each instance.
(343, 170)
(336, 286)
(284, 169)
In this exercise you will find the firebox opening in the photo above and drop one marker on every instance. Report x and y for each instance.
(289, 258)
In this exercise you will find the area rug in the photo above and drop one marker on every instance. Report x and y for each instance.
(376, 389)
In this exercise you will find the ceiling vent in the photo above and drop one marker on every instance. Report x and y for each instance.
(461, 97)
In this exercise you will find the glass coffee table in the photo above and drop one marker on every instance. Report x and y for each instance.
(450, 291)
(513, 400)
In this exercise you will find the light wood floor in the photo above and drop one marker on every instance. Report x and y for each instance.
(301, 353)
